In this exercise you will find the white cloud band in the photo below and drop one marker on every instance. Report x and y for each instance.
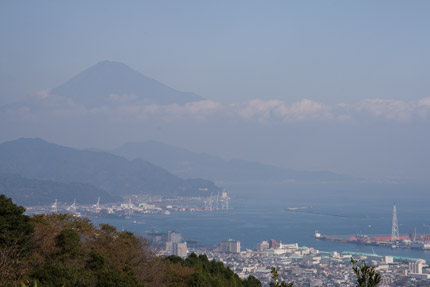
(257, 110)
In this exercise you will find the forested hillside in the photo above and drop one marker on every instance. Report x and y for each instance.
(62, 250)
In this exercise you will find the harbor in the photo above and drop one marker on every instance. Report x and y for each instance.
(403, 241)
(394, 240)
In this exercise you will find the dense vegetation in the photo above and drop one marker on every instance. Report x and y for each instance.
(62, 250)
(199, 271)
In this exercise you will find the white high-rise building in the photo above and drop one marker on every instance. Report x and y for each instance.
(174, 237)
(179, 249)
(416, 267)
(388, 259)
(169, 247)
(230, 246)
(263, 245)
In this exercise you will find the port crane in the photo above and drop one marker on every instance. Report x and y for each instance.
(54, 207)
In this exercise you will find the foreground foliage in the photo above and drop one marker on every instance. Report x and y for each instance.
(69, 251)
(366, 275)
(62, 250)
(15, 241)
(276, 282)
(198, 271)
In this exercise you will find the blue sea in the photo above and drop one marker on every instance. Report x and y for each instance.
(258, 212)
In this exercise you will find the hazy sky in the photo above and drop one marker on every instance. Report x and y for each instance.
(338, 85)
(225, 50)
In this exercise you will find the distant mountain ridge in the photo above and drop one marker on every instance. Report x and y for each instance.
(189, 164)
(29, 192)
(110, 83)
(38, 159)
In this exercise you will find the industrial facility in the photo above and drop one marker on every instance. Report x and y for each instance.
(395, 240)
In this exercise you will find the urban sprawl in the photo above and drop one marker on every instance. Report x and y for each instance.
(305, 266)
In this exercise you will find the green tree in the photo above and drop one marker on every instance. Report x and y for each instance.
(198, 271)
(71, 251)
(276, 282)
(69, 242)
(251, 281)
(15, 227)
(366, 275)
(15, 242)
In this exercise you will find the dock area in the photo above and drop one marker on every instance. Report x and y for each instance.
(402, 241)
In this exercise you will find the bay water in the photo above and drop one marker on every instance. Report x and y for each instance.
(260, 212)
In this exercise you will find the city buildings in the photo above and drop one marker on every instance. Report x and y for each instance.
(179, 249)
(229, 246)
(174, 244)
(174, 237)
(263, 246)
(306, 266)
(416, 267)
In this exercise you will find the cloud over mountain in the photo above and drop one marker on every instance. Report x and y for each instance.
(256, 110)
(396, 110)
(298, 134)
(113, 91)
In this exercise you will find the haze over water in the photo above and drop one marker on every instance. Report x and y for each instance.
(262, 216)
(288, 88)
(319, 85)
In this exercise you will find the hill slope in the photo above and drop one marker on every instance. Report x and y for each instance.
(28, 192)
(188, 164)
(38, 159)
